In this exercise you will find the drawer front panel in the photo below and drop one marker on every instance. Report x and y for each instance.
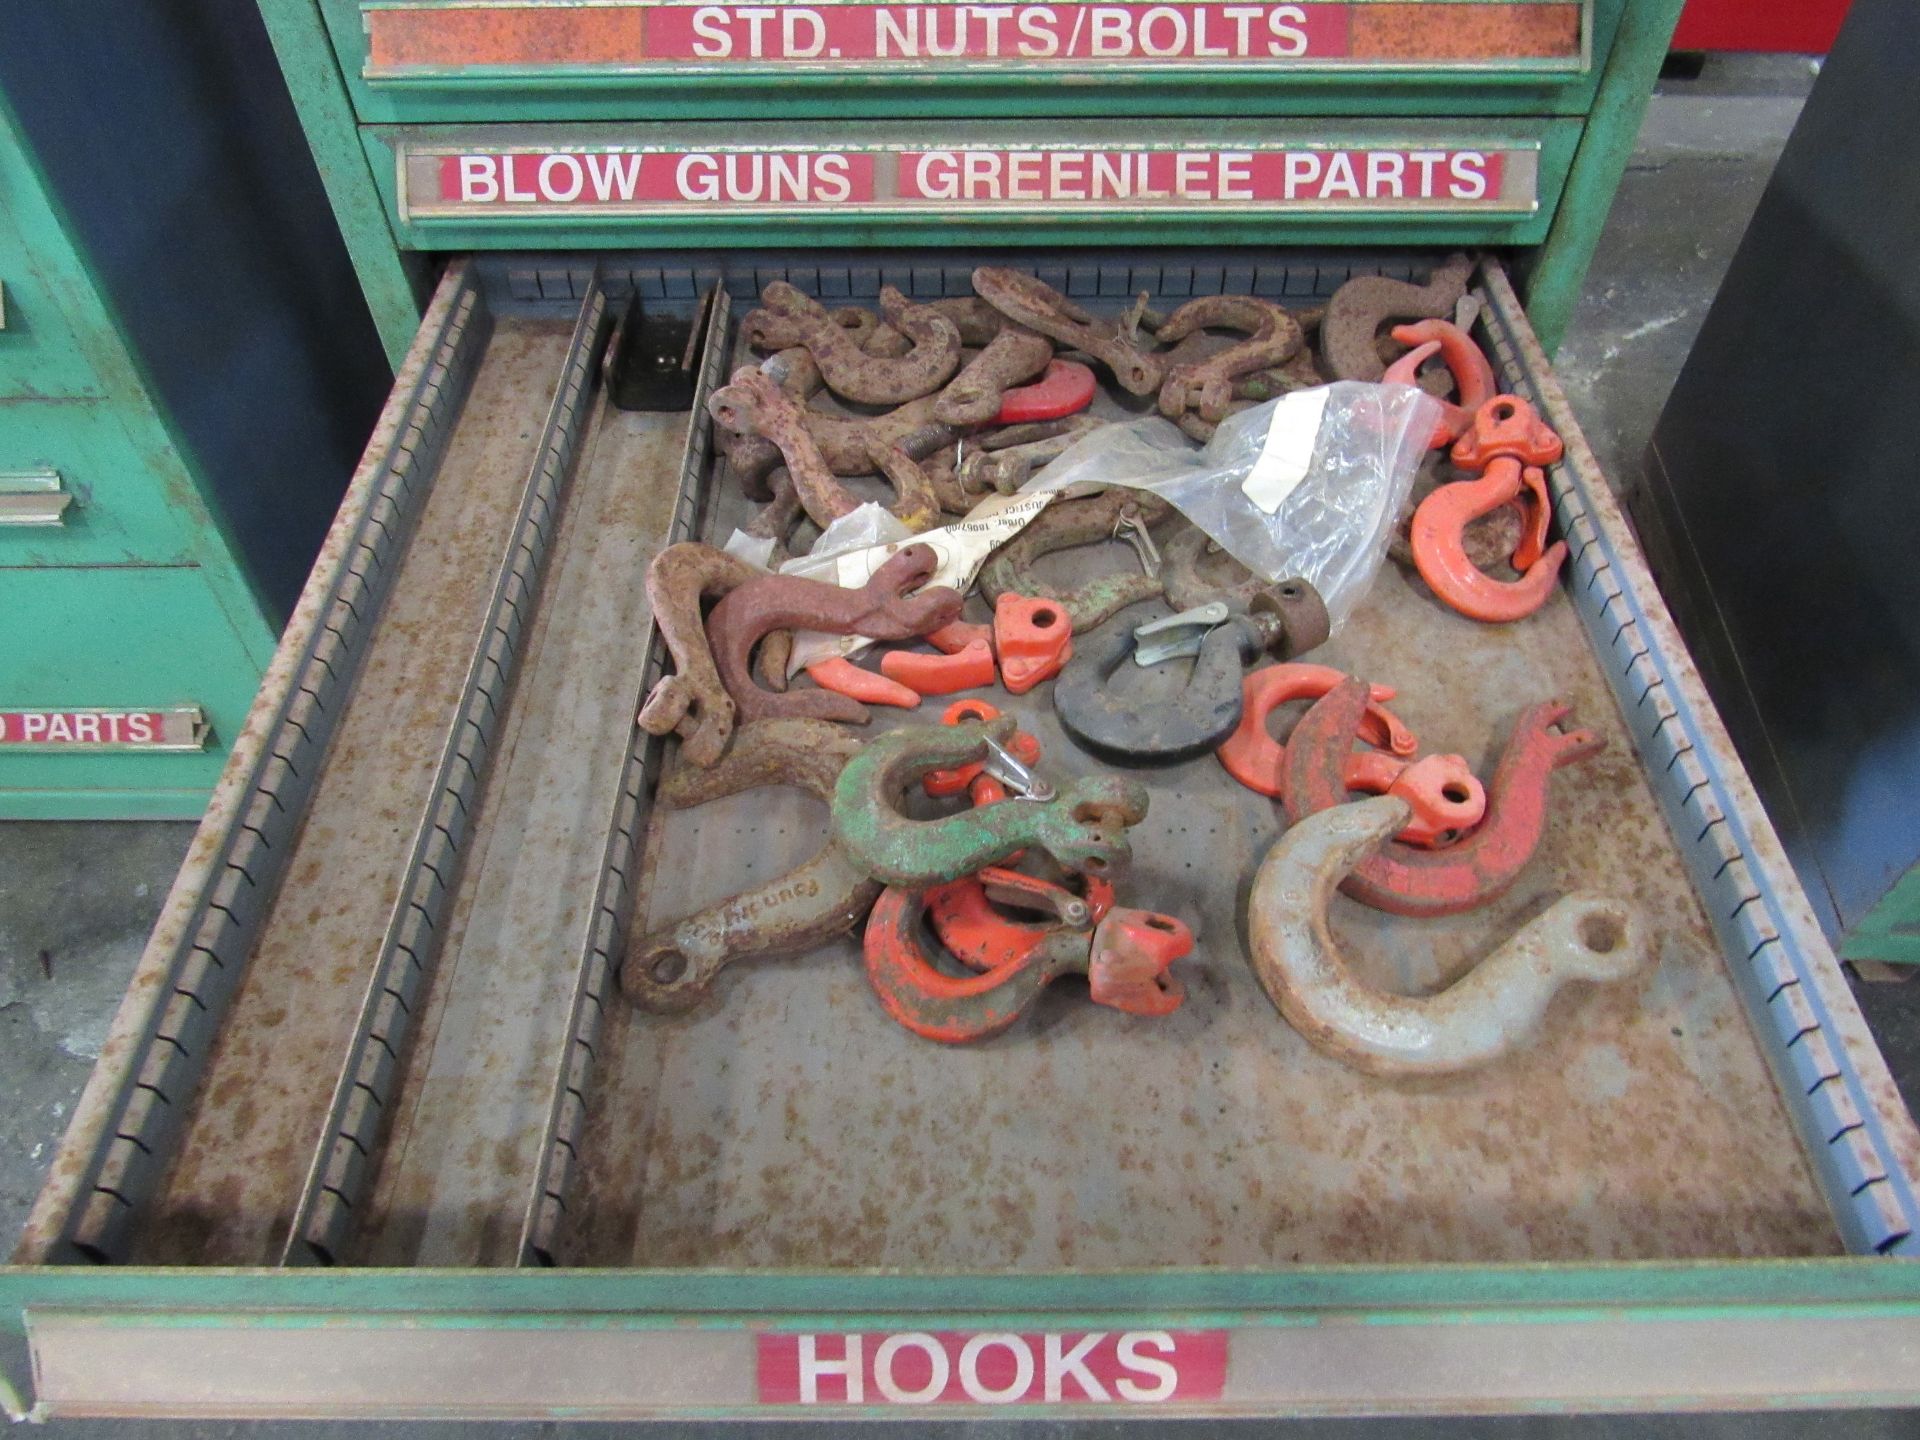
(459, 60)
(93, 657)
(1437, 182)
(117, 508)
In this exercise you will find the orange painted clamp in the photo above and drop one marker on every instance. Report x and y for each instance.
(1253, 757)
(1473, 380)
(1033, 637)
(952, 639)
(1066, 388)
(1125, 957)
(1507, 426)
(1445, 796)
(843, 677)
(952, 781)
(1508, 442)
(1408, 881)
(966, 669)
(982, 938)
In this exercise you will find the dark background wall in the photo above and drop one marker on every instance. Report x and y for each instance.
(169, 138)
(1784, 478)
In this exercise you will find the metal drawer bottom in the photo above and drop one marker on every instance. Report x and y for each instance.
(376, 1030)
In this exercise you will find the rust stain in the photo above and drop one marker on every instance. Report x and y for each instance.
(453, 38)
(292, 1014)
(1430, 32)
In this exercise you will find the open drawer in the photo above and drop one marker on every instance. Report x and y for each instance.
(375, 1134)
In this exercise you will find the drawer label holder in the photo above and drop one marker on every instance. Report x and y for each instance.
(1043, 179)
(178, 728)
(916, 1367)
(408, 41)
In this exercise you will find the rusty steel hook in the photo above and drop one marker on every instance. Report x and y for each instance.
(1084, 828)
(1349, 332)
(1473, 380)
(1063, 525)
(1038, 306)
(974, 396)
(769, 330)
(674, 967)
(692, 701)
(752, 402)
(1478, 868)
(1492, 1010)
(1509, 442)
(848, 369)
(847, 444)
(1125, 957)
(1205, 387)
(885, 608)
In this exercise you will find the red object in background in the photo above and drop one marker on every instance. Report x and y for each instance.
(1793, 27)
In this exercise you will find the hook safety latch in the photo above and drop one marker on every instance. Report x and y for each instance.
(1130, 527)
(1022, 782)
(1174, 636)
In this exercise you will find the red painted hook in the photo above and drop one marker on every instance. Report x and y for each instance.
(1473, 380)
(1508, 442)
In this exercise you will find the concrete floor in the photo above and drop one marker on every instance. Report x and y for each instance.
(78, 900)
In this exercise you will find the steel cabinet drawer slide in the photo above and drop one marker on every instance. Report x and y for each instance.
(374, 1133)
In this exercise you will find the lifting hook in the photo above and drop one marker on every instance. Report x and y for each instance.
(1496, 1007)
(1473, 870)
(1084, 828)
(1125, 957)
(1508, 442)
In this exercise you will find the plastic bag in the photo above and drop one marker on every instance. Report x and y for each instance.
(1308, 486)
(860, 528)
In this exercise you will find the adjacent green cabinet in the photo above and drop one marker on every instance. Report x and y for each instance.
(183, 385)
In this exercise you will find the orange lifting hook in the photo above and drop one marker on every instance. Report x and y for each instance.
(1508, 442)
(1445, 795)
(1472, 375)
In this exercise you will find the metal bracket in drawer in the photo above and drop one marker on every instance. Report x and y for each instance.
(33, 497)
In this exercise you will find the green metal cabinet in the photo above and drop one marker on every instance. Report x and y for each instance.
(374, 1134)
(130, 596)
(382, 82)
(186, 372)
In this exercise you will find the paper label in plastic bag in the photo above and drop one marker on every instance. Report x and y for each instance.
(958, 549)
(1287, 455)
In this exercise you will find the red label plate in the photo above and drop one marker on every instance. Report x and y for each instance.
(439, 181)
(917, 1367)
(410, 41)
(181, 728)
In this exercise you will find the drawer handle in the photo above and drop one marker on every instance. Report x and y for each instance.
(33, 497)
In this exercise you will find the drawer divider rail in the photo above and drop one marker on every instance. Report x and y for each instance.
(343, 1162)
(612, 904)
(236, 887)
